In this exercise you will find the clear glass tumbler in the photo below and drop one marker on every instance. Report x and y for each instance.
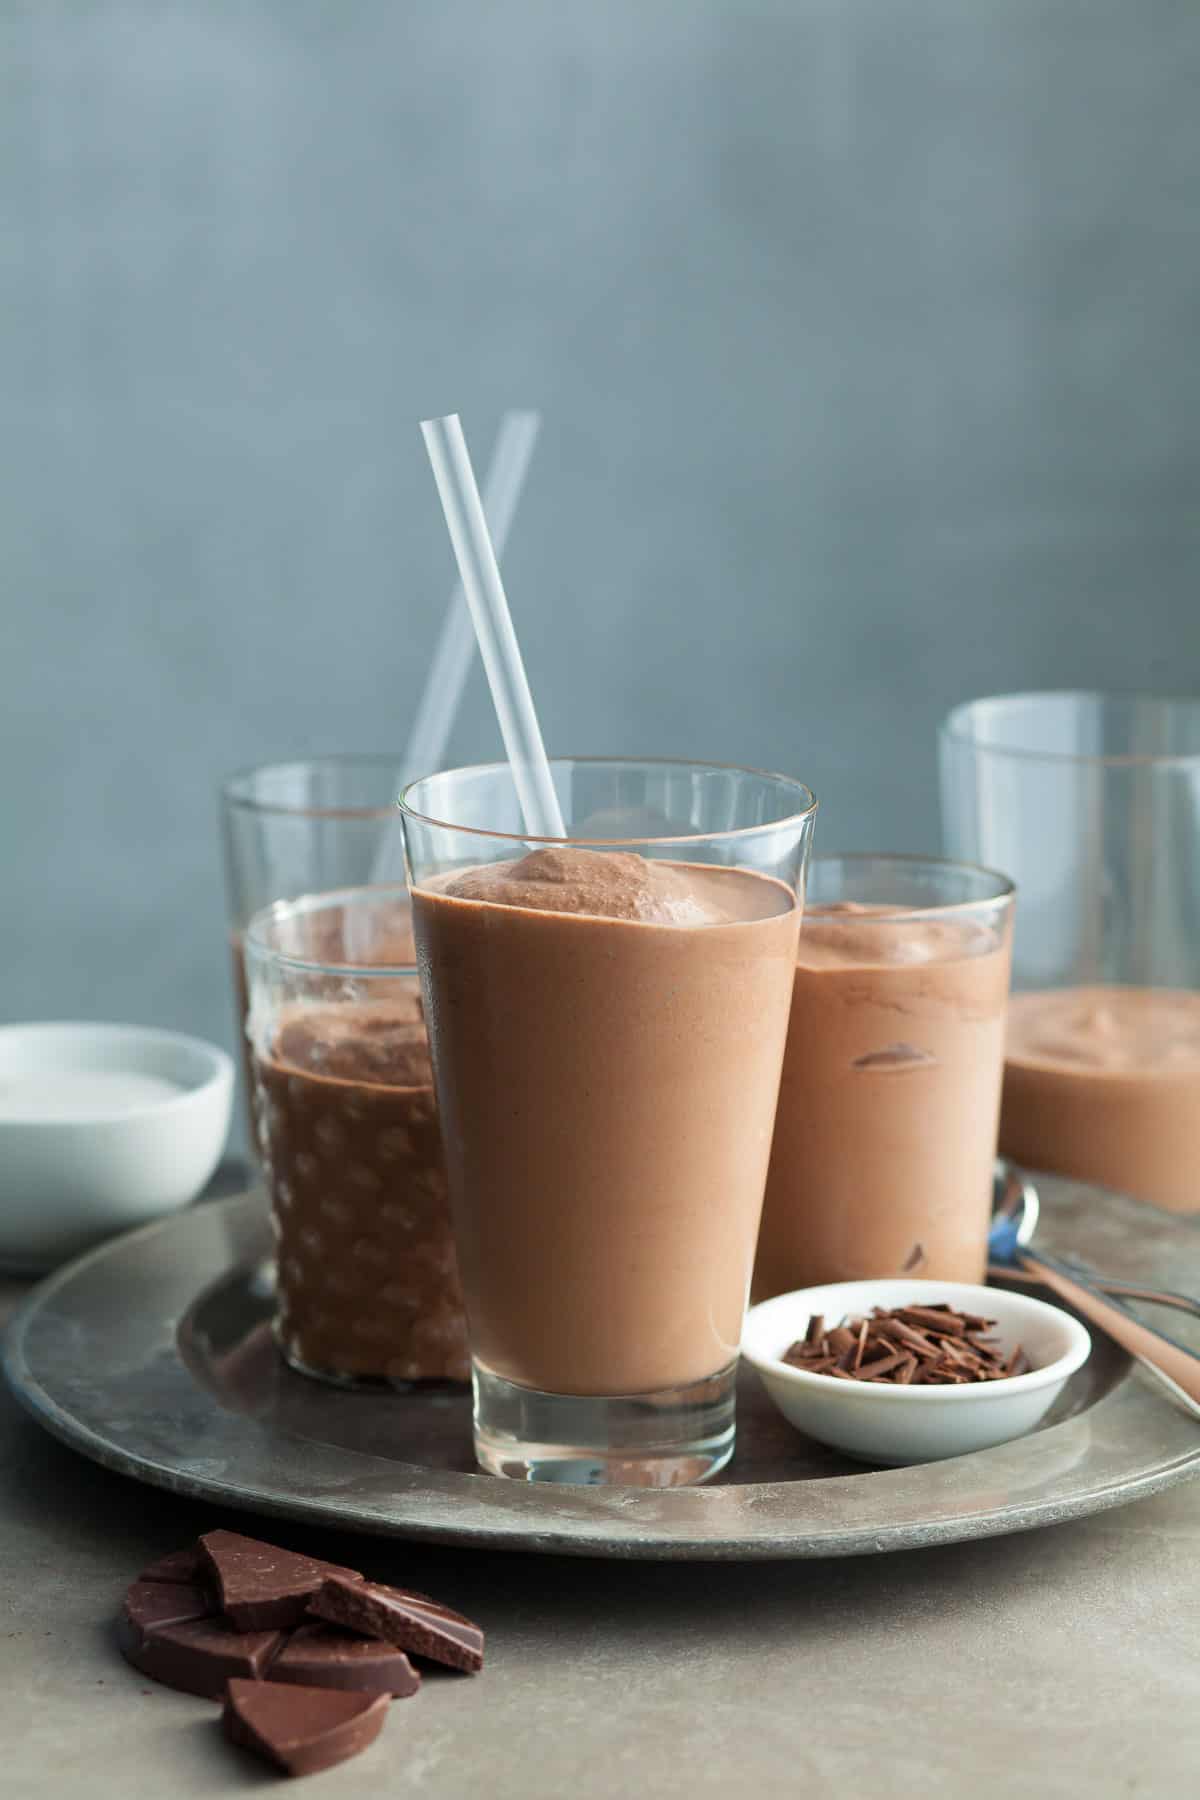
(607, 1016)
(366, 1274)
(885, 1137)
(298, 828)
(1091, 802)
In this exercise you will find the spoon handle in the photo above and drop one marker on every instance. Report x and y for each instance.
(1105, 1284)
(1158, 1353)
(1137, 1290)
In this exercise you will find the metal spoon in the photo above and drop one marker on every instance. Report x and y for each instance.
(1099, 1299)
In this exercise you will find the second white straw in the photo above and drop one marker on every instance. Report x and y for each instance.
(425, 752)
(498, 646)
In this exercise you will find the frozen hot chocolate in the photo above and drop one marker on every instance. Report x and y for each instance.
(1104, 1083)
(367, 1277)
(886, 1130)
(607, 1033)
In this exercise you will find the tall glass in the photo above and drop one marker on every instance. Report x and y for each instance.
(1092, 803)
(366, 1276)
(885, 1137)
(305, 828)
(607, 1016)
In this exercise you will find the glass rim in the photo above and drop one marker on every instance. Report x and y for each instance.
(950, 729)
(307, 905)
(1005, 895)
(246, 802)
(796, 818)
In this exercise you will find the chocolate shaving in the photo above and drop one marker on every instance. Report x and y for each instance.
(934, 1318)
(918, 1346)
(895, 1056)
(910, 1337)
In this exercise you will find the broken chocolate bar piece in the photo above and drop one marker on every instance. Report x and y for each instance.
(178, 1565)
(149, 1604)
(173, 1630)
(262, 1588)
(326, 1656)
(410, 1621)
(200, 1662)
(301, 1729)
(918, 1346)
(197, 1656)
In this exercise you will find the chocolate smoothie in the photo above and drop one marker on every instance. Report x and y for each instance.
(607, 1034)
(1104, 1083)
(886, 1131)
(367, 1277)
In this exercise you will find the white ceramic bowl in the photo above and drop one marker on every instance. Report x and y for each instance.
(896, 1425)
(84, 1151)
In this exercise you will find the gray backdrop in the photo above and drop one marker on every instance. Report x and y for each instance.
(865, 333)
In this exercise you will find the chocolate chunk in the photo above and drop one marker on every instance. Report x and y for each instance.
(199, 1656)
(410, 1621)
(178, 1565)
(260, 1586)
(152, 1603)
(301, 1729)
(327, 1656)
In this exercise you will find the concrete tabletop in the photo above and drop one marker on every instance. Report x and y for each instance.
(1056, 1663)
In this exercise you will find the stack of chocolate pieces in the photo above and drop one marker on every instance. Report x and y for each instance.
(305, 1654)
(918, 1346)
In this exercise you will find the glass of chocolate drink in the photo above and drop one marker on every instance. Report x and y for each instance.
(303, 828)
(607, 1015)
(1091, 802)
(885, 1137)
(347, 1132)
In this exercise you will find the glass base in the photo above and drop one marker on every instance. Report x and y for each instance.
(672, 1438)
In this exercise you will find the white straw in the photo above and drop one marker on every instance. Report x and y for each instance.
(426, 750)
(498, 645)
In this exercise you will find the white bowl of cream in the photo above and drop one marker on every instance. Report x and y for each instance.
(102, 1127)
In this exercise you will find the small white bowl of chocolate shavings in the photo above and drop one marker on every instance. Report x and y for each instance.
(903, 1371)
